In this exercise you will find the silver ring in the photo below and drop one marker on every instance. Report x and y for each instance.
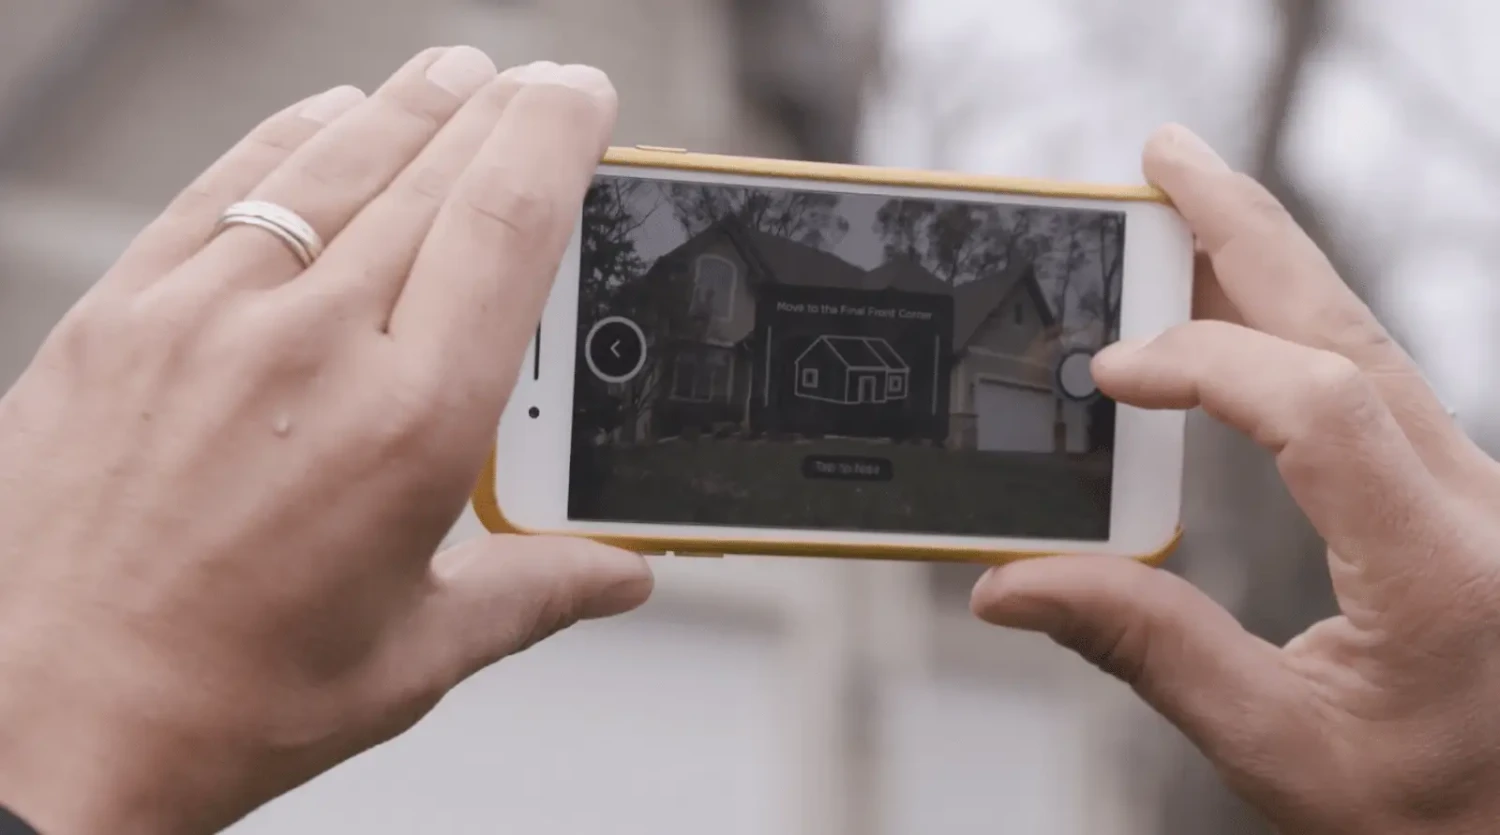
(285, 224)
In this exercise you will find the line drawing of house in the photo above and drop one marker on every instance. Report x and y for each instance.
(851, 370)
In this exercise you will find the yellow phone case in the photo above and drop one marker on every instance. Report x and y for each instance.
(487, 507)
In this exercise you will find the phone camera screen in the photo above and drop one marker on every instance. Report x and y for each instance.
(759, 357)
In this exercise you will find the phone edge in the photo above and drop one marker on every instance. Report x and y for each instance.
(485, 502)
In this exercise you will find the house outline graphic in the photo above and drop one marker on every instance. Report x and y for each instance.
(851, 371)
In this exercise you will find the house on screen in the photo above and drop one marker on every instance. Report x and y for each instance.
(997, 389)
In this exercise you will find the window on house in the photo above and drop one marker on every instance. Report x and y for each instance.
(713, 287)
(896, 384)
(809, 378)
(703, 375)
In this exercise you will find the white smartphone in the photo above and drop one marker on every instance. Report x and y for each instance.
(766, 357)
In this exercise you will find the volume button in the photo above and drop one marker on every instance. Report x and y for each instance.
(661, 149)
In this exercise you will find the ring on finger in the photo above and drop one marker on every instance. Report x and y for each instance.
(286, 225)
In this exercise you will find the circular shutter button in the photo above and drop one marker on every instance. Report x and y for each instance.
(1075, 380)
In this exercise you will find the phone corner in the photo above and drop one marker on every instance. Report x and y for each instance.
(1158, 557)
(485, 502)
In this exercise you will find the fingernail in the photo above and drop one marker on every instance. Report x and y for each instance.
(1120, 349)
(588, 79)
(536, 71)
(329, 105)
(462, 71)
(580, 77)
(620, 598)
(1190, 149)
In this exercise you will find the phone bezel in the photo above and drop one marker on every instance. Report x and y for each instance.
(529, 494)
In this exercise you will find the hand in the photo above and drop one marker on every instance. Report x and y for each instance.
(223, 477)
(1385, 719)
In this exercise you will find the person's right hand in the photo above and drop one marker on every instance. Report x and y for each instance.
(1385, 719)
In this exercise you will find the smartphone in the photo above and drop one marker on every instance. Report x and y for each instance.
(745, 356)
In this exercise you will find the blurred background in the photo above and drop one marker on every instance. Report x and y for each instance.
(786, 696)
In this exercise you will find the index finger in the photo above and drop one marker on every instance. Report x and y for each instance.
(1278, 279)
(1338, 448)
(482, 277)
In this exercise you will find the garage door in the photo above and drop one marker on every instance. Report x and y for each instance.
(1014, 419)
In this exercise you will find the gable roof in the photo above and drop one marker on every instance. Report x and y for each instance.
(865, 353)
(975, 301)
(906, 275)
(860, 353)
(786, 261)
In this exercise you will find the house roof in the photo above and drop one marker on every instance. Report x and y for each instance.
(865, 353)
(975, 301)
(786, 261)
(906, 275)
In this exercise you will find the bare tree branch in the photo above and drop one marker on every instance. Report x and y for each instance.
(1302, 23)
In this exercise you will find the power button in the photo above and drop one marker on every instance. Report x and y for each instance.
(661, 149)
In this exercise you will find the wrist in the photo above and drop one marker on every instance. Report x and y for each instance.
(79, 755)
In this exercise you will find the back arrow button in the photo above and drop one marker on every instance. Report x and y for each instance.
(615, 349)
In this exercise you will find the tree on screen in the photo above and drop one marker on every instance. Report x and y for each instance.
(610, 259)
(810, 218)
(958, 242)
(1082, 267)
(1100, 299)
(617, 280)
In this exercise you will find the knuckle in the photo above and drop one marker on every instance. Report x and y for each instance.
(1352, 326)
(1259, 200)
(262, 150)
(278, 136)
(1333, 376)
(198, 200)
(409, 108)
(407, 421)
(1116, 651)
(83, 334)
(337, 171)
(1333, 391)
(271, 336)
(552, 612)
(514, 204)
(427, 183)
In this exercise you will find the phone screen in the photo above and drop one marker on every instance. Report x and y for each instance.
(762, 357)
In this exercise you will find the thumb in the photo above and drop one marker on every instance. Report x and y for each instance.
(1230, 692)
(497, 595)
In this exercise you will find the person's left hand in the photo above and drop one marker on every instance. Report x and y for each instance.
(1380, 719)
(223, 477)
